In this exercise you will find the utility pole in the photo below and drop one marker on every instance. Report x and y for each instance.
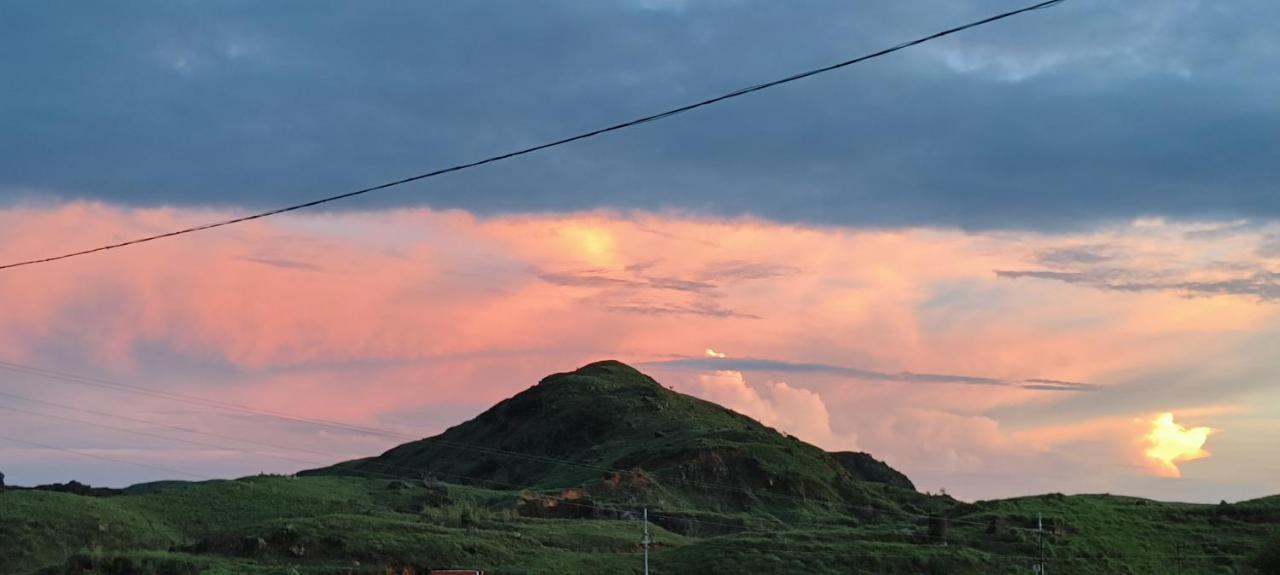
(645, 541)
(1040, 528)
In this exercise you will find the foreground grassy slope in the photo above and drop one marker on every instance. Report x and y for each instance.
(1117, 534)
(348, 524)
(726, 495)
(38, 528)
(320, 525)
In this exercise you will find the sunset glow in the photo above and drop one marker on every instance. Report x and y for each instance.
(906, 347)
(1172, 443)
(587, 287)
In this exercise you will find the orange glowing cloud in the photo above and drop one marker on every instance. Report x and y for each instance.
(1171, 443)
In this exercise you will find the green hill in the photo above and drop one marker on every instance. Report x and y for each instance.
(616, 432)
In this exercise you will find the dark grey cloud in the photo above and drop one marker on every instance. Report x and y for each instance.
(1056, 385)
(701, 308)
(679, 284)
(1261, 284)
(643, 287)
(637, 281)
(1069, 277)
(636, 289)
(741, 270)
(587, 279)
(1086, 112)
(1270, 247)
(1076, 255)
(781, 366)
(282, 263)
(1177, 384)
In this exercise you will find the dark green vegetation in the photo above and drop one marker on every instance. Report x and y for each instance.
(607, 427)
(549, 482)
(867, 468)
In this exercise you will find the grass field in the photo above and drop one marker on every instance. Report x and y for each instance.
(274, 524)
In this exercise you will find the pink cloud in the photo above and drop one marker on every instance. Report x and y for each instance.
(367, 316)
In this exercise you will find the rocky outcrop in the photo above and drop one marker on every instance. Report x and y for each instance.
(864, 467)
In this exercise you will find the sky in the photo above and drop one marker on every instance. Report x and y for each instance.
(1039, 256)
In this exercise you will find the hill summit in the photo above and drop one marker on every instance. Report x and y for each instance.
(608, 427)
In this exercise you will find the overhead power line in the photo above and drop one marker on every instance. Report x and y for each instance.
(102, 457)
(158, 435)
(544, 146)
(178, 428)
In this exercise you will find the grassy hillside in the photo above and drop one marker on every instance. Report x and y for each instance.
(553, 479)
(576, 429)
(348, 524)
(312, 525)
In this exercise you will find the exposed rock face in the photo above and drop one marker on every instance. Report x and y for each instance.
(570, 504)
(864, 467)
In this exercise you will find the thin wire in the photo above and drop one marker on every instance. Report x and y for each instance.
(192, 399)
(102, 457)
(155, 435)
(169, 426)
(552, 144)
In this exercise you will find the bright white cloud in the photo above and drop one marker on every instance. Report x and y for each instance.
(799, 412)
(1172, 443)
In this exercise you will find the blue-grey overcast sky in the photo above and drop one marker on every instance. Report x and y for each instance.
(1093, 110)
(993, 260)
